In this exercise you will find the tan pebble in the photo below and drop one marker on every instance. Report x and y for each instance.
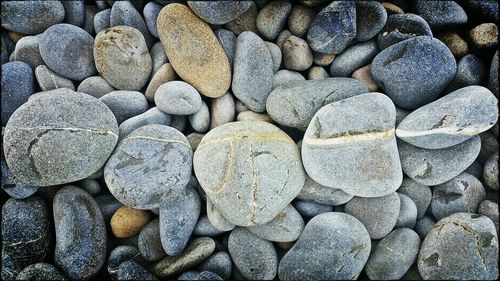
(249, 115)
(317, 72)
(323, 59)
(484, 35)
(364, 75)
(14, 36)
(194, 139)
(164, 74)
(455, 43)
(392, 9)
(127, 222)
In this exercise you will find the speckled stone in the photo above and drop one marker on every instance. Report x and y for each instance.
(272, 18)
(219, 263)
(490, 172)
(163, 75)
(217, 219)
(255, 258)
(332, 246)
(455, 43)
(41, 271)
(177, 97)
(353, 57)
(441, 14)
(101, 20)
(200, 120)
(323, 59)
(67, 50)
(91, 186)
(276, 55)
(294, 105)
(470, 71)
(153, 163)
(393, 255)
(88, 23)
(80, 233)
(188, 275)
(27, 18)
(463, 193)
(27, 50)
(424, 226)
(371, 17)
(420, 194)
(124, 13)
(150, 12)
(247, 21)
(13, 186)
(493, 76)
(407, 212)
(222, 110)
(17, 85)
(152, 116)
(296, 54)
(317, 72)
(321, 194)
(463, 246)
(158, 55)
(95, 86)
(179, 122)
(489, 208)
(127, 222)
(400, 27)
(108, 205)
(76, 144)
(125, 104)
(285, 77)
(219, 12)
(204, 65)
(489, 144)
(285, 227)
(122, 58)
(309, 209)
(475, 169)
(208, 276)
(270, 157)
(131, 270)
(204, 228)
(227, 40)
(282, 37)
(436, 166)
(484, 36)
(119, 255)
(74, 12)
(364, 74)
(49, 80)
(451, 119)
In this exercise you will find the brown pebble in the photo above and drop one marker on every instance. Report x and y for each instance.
(164, 74)
(127, 222)
(14, 36)
(455, 43)
(364, 75)
(392, 9)
(285, 245)
(323, 59)
(484, 35)
(194, 139)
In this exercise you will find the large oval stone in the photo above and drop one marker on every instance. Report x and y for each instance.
(219, 12)
(250, 171)
(31, 17)
(193, 50)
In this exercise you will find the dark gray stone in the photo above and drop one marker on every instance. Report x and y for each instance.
(219, 12)
(101, 20)
(124, 13)
(204, 228)
(95, 86)
(245, 22)
(130, 270)
(18, 83)
(313, 191)
(149, 242)
(489, 144)
(441, 14)
(489, 208)
(470, 71)
(219, 263)
(490, 172)
(49, 80)
(481, 10)
(119, 255)
(407, 212)
(41, 271)
(285, 227)
(151, 11)
(177, 98)
(475, 169)
(152, 116)
(125, 104)
(354, 57)
(27, 50)
(332, 246)
(88, 24)
(371, 17)
(227, 40)
(7, 47)
(108, 205)
(310, 209)
(400, 27)
(420, 194)
(31, 17)
(67, 50)
(200, 121)
(80, 233)
(285, 77)
(74, 12)
(12, 186)
(91, 186)
(493, 76)
(424, 226)
(272, 18)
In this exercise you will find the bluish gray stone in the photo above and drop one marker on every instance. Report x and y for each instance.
(119, 255)
(124, 13)
(354, 57)
(334, 28)
(272, 18)
(49, 80)
(407, 212)
(158, 56)
(7, 47)
(95, 86)
(41, 271)
(489, 144)
(219, 12)
(130, 270)
(493, 77)
(151, 11)
(67, 50)
(208, 276)
(188, 275)
(227, 40)
(215, 217)
(490, 172)
(313, 191)
(219, 263)
(12, 186)
(91, 186)
(125, 104)
(177, 98)
(400, 27)
(204, 228)
(441, 14)
(310, 209)
(200, 120)
(27, 50)
(149, 242)
(470, 71)
(371, 17)
(424, 226)
(285, 77)
(414, 72)
(108, 205)
(74, 12)
(80, 233)
(285, 227)
(420, 194)
(332, 246)
(152, 116)
(481, 10)
(101, 20)
(475, 169)
(88, 24)
(18, 83)
(276, 55)
(26, 17)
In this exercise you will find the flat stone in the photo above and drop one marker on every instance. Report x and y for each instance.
(42, 150)
(222, 110)
(27, 50)
(451, 119)
(353, 57)
(362, 157)
(95, 86)
(150, 117)
(151, 164)
(319, 255)
(436, 166)
(130, 270)
(407, 212)
(257, 160)
(490, 172)
(424, 226)
(41, 271)
(300, 19)
(371, 17)
(200, 120)
(178, 98)
(127, 222)
(309, 209)
(122, 57)
(124, 13)
(247, 21)
(420, 194)
(26, 18)
(151, 12)
(219, 12)
(203, 64)
(285, 227)
(17, 85)
(163, 75)
(400, 27)
(272, 18)
(321, 194)
(219, 263)
(296, 54)
(101, 20)
(441, 14)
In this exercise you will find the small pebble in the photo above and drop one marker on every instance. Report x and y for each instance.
(247, 21)
(219, 263)
(313, 191)
(123, 13)
(91, 186)
(95, 86)
(149, 242)
(152, 116)
(127, 222)
(204, 228)
(26, 18)
(285, 77)
(441, 14)
(490, 172)
(130, 270)
(352, 58)
(222, 111)
(424, 226)
(17, 85)
(150, 12)
(364, 74)
(276, 55)
(125, 104)
(484, 36)
(489, 208)
(27, 50)
(272, 18)
(407, 212)
(219, 12)
(455, 43)
(119, 255)
(101, 20)
(285, 227)
(323, 59)
(296, 54)
(420, 194)
(317, 72)
(163, 75)
(371, 17)
(49, 80)
(400, 27)
(310, 209)
(178, 98)
(300, 19)
(200, 121)
(41, 271)
(227, 40)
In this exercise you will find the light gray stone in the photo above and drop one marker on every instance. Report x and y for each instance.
(407, 212)
(152, 116)
(95, 86)
(285, 77)
(285, 227)
(178, 98)
(200, 121)
(125, 104)
(321, 194)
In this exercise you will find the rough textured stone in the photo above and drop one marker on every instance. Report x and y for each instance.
(204, 64)
(49, 80)
(27, 50)
(128, 222)
(219, 12)
(364, 74)
(300, 19)
(219, 263)
(353, 57)
(484, 36)
(76, 143)
(296, 54)
(276, 55)
(124, 13)
(200, 121)
(163, 75)
(272, 18)
(88, 23)
(27, 18)
(493, 77)
(455, 43)
(204, 228)
(420, 194)
(17, 85)
(40, 271)
(74, 12)
(158, 55)
(260, 163)
(227, 40)
(119, 255)
(285, 227)
(130, 270)
(321, 194)
(441, 14)
(370, 19)
(91, 186)
(489, 144)
(407, 212)
(470, 71)
(317, 72)
(125, 104)
(177, 97)
(490, 172)
(152, 116)
(489, 208)
(95, 86)
(323, 59)
(400, 27)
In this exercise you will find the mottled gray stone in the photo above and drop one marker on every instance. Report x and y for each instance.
(188, 275)
(470, 71)
(219, 12)
(27, 50)
(272, 18)
(420, 194)
(158, 56)
(152, 116)
(321, 194)
(332, 246)
(258, 161)
(178, 98)
(25, 234)
(17, 85)
(80, 233)
(361, 158)
(296, 54)
(407, 212)
(200, 120)
(101, 20)
(490, 172)
(151, 11)
(333, 28)
(26, 17)
(285, 77)
(219, 263)
(294, 105)
(130, 270)
(227, 40)
(217, 219)
(489, 208)
(119, 255)
(450, 120)
(371, 17)
(436, 166)
(310, 209)
(276, 55)
(49, 80)
(244, 22)
(149, 242)
(74, 12)
(424, 226)
(67, 50)
(493, 75)
(48, 145)
(95, 86)
(41, 271)
(12, 186)
(354, 57)
(300, 19)
(204, 228)
(91, 186)
(463, 246)
(441, 14)
(253, 71)
(151, 164)
(122, 57)
(285, 227)
(463, 193)
(208, 276)
(414, 72)
(379, 215)
(255, 258)
(393, 255)
(124, 13)
(400, 27)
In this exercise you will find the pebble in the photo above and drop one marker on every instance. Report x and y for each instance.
(484, 36)
(407, 212)
(227, 40)
(362, 156)
(296, 54)
(95, 86)
(285, 227)
(150, 12)
(323, 59)
(49, 80)
(247, 21)
(208, 69)
(25, 234)
(74, 12)
(158, 56)
(194, 140)
(393, 255)
(294, 105)
(222, 110)
(252, 116)
(13, 186)
(27, 50)
(63, 142)
(204, 228)
(276, 55)
(300, 19)
(441, 14)
(207, 275)
(188, 275)
(108, 205)
(490, 172)
(317, 72)
(470, 71)
(17, 85)
(335, 21)
(424, 226)
(402, 69)
(493, 76)
(80, 250)
(255, 258)
(179, 122)
(253, 71)
(420, 194)
(219, 12)
(123, 13)
(272, 18)
(149, 242)
(178, 98)
(40, 271)
(151, 164)
(463, 246)
(150, 117)
(130, 270)
(26, 18)
(436, 166)
(91, 186)
(177, 221)
(371, 17)
(88, 24)
(463, 193)
(122, 57)
(217, 219)
(196, 252)
(354, 57)
(489, 144)
(219, 263)
(286, 77)
(455, 43)
(119, 255)
(400, 27)
(163, 75)
(310, 209)
(332, 246)
(489, 208)
(101, 20)
(364, 74)
(67, 50)
(313, 191)
(282, 37)
(450, 120)
(256, 159)
(200, 121)
(127, 222)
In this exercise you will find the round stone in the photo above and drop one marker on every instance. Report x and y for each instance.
(151, 11)
(490, 172)
(219, 263)
(67, 50)
(285, 227)
(42, 150)
(489, 208)
(400, 27)
(95, 86)
(247, 21)
(276, 55)
(222, 110)
(371, 17)
(127, 222)
(420, 194)
(31, 17)
(152, 116)
(27, 50)
(177, 97)
(204, 228)
(321, 194)
(300, 19)
(317, 72)
(364, 74)
(272, 18)
(219, 12)
(131, 270)
(125, 104)
(152, 164)
(470, 71)
(74, 12)
(101, 20)
(40, 271)
(119, 255)
(484, 35)
(441, 14)
(407, 212)
(353, 57)
(296, 54)
(17, 85)
(258, 161)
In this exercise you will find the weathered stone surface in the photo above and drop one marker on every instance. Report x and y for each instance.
(321, 194)
(245, 22)
(441, 14)
(490, 172)
(152, 116)
(353, 57)
(285, 77)
(222, 110)
(216, 219)
(13, 186)
(219, 263)
(27, 18)
(219, 12)
(424, 226)
(296, 54)
(125, 104)
(371, 17)
(119, 255)
(131, 270)
(49, 80)
(200, 121)
(285, 227)
(27, 50)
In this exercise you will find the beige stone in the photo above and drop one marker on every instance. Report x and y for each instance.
(127, 222)
(364, 75)
(164, 74)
